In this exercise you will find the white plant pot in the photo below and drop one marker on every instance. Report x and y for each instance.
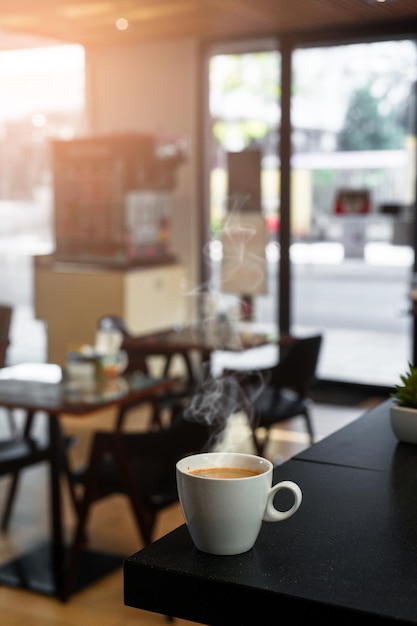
(404, 423)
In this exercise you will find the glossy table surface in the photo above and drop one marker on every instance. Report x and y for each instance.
(349, 555)
(44, 386)
(204, 338)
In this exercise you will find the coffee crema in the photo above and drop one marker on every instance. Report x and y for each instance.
(225, 472)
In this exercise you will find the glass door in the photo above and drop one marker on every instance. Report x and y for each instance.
(242, 179)
(352, 194)
(353, 205)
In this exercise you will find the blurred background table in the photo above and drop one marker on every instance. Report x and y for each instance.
(44, 387)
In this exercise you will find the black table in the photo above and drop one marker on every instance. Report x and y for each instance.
(367, 443)
(349, 555)
(43, 387)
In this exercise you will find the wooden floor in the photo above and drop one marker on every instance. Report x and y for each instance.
(111, 526)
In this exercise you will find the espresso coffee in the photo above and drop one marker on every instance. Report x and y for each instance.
(225, 472)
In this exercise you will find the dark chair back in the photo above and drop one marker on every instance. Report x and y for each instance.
(20, 450)
(279, 393)
(297, 367)
(140, 465)
(17, 454)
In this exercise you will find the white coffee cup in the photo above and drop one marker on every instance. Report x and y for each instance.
(224, 515)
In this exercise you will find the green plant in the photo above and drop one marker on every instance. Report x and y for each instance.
(406, 393)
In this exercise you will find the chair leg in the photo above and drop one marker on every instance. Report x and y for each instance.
(83, 509)
(11, 496)
(265, 441)
(12, 422)
(77, 545)
(309, 425)
(259, 446)
(156, 415)
(66, 471)
(121, 417)
(251, 417)
(7, 513)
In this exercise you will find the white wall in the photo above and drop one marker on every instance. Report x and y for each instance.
(152, 88)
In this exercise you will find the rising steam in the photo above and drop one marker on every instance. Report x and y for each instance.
(243, 239)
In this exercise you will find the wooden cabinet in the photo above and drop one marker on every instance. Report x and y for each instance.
(70, 298)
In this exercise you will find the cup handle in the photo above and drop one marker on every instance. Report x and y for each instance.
(272, 514)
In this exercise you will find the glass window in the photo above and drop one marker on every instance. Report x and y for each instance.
(353, 199)
(242, 140)
(352, 193)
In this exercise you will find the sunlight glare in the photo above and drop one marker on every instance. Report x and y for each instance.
(41, 79)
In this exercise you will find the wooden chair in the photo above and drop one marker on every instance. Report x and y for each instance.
(26, 439)
(279, 393)
(19, 441)
(140, 466)
(138, 361)
(18, 451)
(17, 454)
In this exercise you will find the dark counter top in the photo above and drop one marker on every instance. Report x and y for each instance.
(349, 555)
(368, 443)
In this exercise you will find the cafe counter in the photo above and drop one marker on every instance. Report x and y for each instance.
(70, 297)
